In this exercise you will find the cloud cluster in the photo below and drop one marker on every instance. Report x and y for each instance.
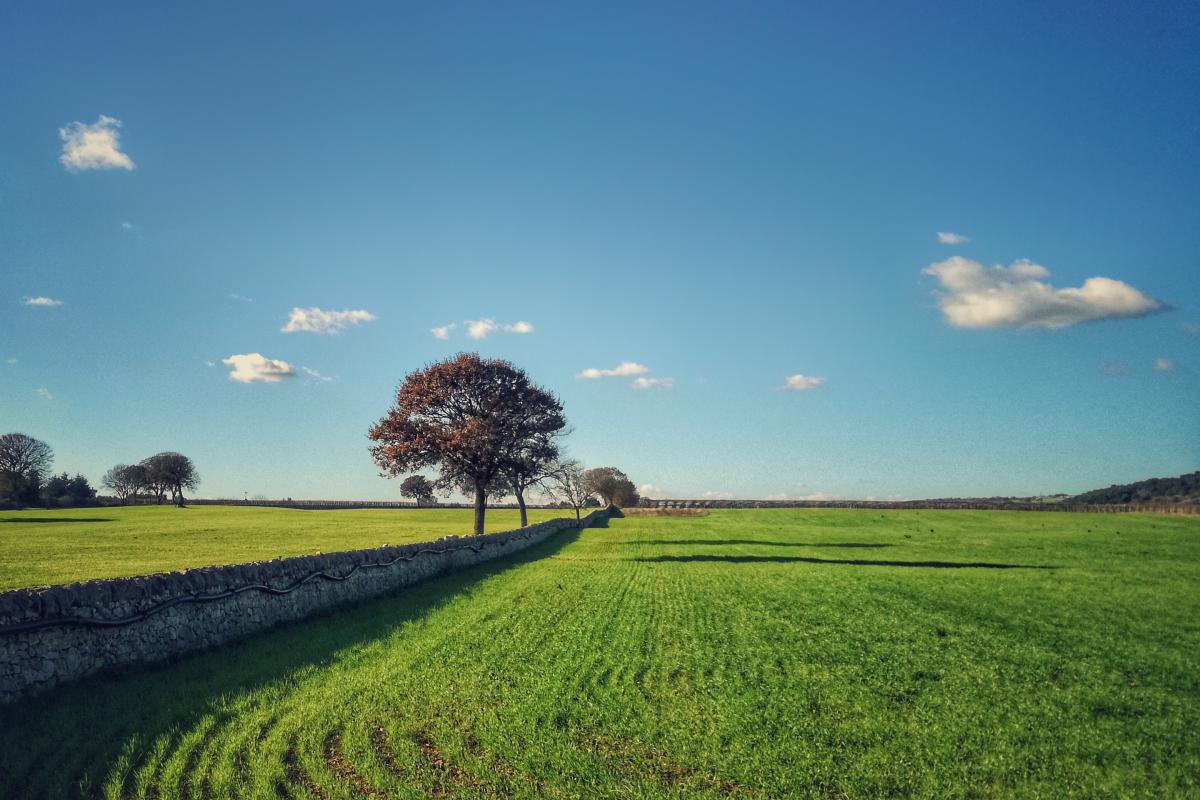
(800, 383)
(95, 146)
(624, 369)
(945, 237)
(41, 302)
(314, 320)
(481, 328)
(1164, 365)
(255, 367)
(1017, 296)
(628, 369)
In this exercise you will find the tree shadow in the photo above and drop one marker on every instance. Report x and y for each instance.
(52, 739)
(848, 562)
(47, 520)
(756, 542)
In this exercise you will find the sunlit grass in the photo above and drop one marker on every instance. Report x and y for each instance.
(39, 548)
(754, 654)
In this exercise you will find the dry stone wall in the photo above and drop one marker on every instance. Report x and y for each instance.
(53, 635)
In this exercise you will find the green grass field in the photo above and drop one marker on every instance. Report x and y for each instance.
(41, 548)
(747, 654)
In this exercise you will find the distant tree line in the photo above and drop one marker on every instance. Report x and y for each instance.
(488, 430)
(26, 480)
(1182, 489)
(156, 478)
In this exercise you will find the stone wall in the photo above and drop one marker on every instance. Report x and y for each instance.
(53, 635)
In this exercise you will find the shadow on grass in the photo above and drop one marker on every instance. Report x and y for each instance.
(47, 520)
(848, 562)
(759, 542)
(49, 742)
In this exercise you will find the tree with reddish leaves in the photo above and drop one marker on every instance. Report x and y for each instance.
(467, 416)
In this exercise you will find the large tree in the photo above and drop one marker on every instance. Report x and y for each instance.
(612, 485)
(466, 416)
(171, 472)
(24, 462)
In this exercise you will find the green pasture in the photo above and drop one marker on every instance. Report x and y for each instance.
(745, 654)
(40, 548)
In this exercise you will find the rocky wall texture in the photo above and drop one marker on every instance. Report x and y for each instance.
(57, 634)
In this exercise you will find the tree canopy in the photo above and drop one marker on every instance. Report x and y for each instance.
(612, 485)
(466, 416)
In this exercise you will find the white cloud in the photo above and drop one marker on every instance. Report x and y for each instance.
(314, 320)
(95, 146)
(624, 369)
(210, 363)
(312, 373)
(10, 361)
(716, 496)
(800, 383)
(1191, 327)
(952, 238)
(1164, 365)
(653, 383)
(243, 299)
(1017, 296)
(45, 393)
(480, 328)
(652, 492)
(128, 226)
(41, 302)
(251, 367)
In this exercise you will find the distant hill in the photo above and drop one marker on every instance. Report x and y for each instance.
(1184, 489)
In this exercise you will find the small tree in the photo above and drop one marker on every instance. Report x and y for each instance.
(125, 480)
(466, 416)
(612, 485)
(419, 488)
(564, 482)
(171, 472)
(527, 464)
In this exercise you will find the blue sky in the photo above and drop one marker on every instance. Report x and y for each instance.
(728, 196)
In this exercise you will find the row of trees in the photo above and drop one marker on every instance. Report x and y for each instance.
(25, 478)
(154, 477)
(487, 430)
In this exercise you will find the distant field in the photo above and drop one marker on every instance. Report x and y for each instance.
(744, 654)
(39, 548)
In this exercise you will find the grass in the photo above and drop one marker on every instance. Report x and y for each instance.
(747, 654)
(42, 548)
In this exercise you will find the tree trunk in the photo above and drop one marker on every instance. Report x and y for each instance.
(521, 504)
(480, 509)
(576, 516)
